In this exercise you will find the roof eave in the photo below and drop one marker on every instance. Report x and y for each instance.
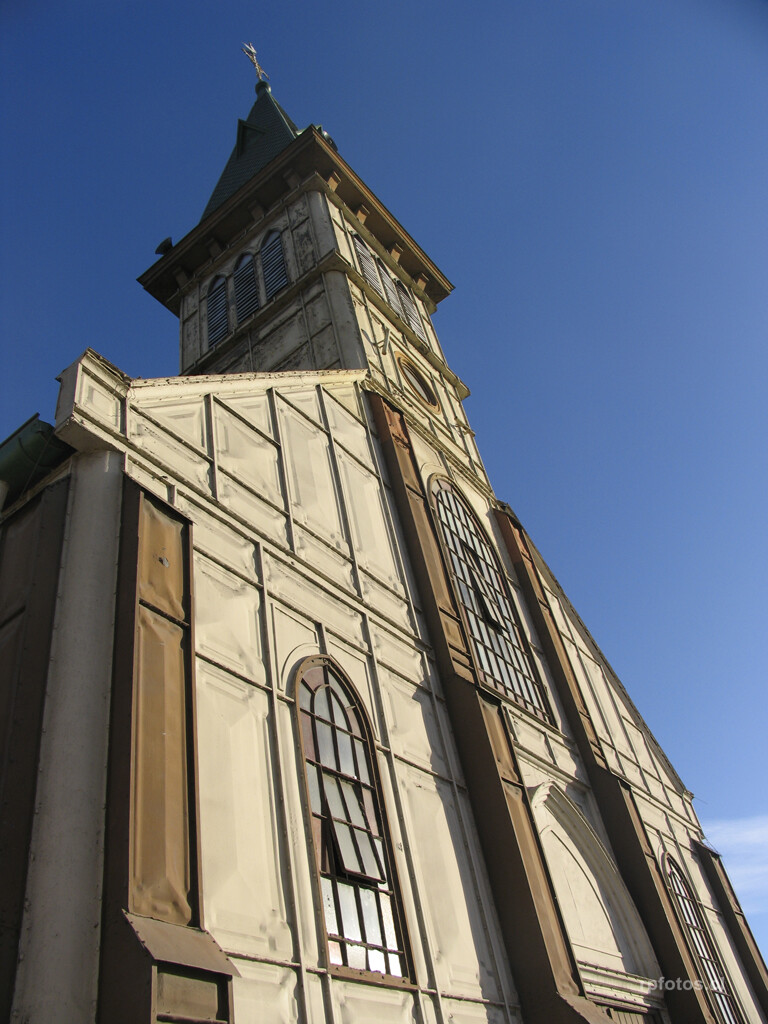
(309, 153)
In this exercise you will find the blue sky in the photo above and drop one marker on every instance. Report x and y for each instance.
(591, 175)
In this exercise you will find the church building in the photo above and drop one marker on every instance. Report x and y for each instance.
(298, 725)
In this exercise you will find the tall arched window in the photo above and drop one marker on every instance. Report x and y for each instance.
(712, 972)
(273, 264)
(501, 648)
(246, 288)
(361, 905)
(218, 320)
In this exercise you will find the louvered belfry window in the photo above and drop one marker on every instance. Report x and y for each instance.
(389, 288)
(361, 906)
(367, 264)
(501, 649)
(273, 264)
(412, 317)
(246, 288)
(218, 322)
(712, 973)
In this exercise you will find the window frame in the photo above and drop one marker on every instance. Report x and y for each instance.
(408, 370)
(323, 835)
(672, 869)
(514, 633)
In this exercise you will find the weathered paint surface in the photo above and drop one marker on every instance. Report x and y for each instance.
(63, 900)
(297, 551)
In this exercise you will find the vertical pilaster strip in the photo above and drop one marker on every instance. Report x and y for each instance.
(635, 857)
(736, 923)
(540, 956)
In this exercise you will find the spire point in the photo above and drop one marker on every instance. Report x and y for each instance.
(250, 52)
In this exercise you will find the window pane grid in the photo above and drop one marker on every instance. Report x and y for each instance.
(357, 892)
(711, 968)
(490, 614)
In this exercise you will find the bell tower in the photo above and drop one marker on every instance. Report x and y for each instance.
(297, 265)
(295, 272)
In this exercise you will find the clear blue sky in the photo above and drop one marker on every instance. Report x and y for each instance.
(591, 175)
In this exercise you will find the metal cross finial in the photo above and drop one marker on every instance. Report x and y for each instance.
(250, 53)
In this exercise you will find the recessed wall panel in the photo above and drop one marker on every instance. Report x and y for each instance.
(461, 950)
(228, 628)
(265, 993)
(245, 904)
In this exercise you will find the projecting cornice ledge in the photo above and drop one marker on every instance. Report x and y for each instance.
(307, 156)
(90, 409)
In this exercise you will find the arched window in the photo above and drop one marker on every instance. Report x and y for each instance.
(218, 321)
(246, 288)
(273, 264)
(363, 920)
(702, 947)
(501, 648)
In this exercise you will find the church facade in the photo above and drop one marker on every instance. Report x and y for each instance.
(299, 725)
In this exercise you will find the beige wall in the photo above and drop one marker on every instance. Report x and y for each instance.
(296, 552)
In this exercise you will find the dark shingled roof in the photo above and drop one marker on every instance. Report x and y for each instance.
(265, 133)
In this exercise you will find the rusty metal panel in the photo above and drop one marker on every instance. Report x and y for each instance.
(160, 863)
(161, 561)
(30, 553)
(180, 993)
(18, 557)
(11, 636)
(187, 946)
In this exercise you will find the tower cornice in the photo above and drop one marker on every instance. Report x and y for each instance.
(311, 153)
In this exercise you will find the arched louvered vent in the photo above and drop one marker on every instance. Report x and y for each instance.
(273, 264)
(246, 288)
(412, 317)
(389, 288)
(367, 264)
(218, 322)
